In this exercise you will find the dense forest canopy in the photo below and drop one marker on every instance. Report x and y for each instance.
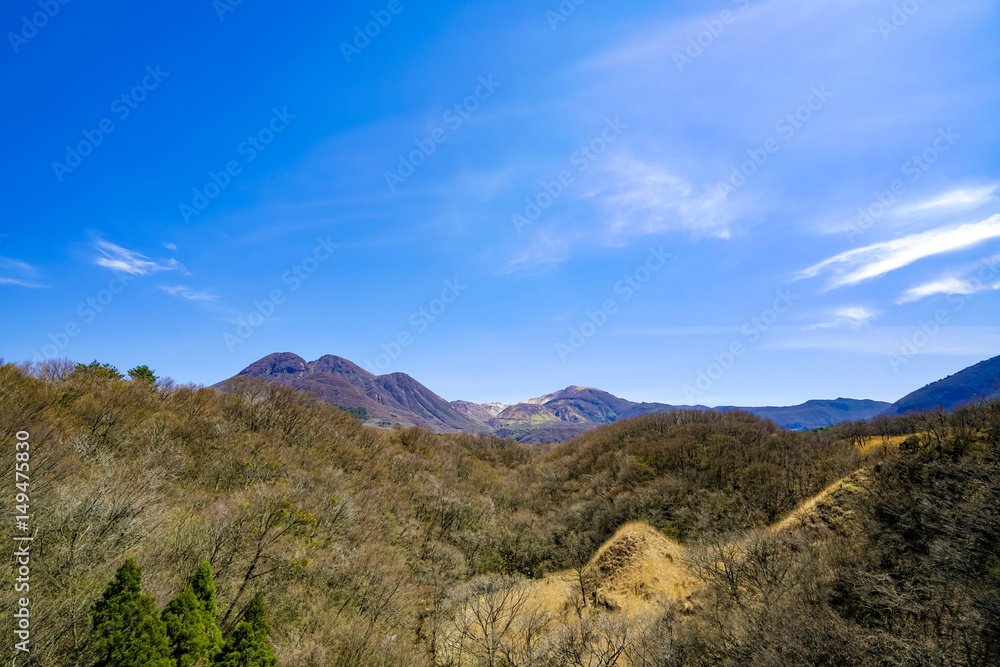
(385, 547)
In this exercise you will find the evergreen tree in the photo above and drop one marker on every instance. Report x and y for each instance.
(256, 615)
(204, 589)
(248, 645)
(142, 374)
(98, 370)
(191, 620)
(193, 638)
(128, 632)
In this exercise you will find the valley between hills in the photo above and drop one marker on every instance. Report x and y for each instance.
(672, 538)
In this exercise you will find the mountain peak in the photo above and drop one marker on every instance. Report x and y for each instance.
(386, 399)
(276, 363)
(330, 363)
(572, 391)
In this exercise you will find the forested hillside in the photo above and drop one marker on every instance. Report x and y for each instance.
(970, 384)
(403, 547)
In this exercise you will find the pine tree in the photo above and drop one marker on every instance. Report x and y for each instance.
(191, 620)
(248, 645)
(128, 632)
(188, 630)
(96, 369)
(256, 615)
(204, 589)
(142, 374)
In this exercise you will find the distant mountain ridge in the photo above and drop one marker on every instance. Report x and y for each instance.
(975, 382)
(817, 413)
(397, 398)
(574, 410)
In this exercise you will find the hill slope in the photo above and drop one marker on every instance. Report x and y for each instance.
(975, 382)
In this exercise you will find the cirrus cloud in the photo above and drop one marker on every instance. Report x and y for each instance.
(23, 273)
(185, 292)
(981, 278)
(850, 316)
(876, 260)
(117, 258)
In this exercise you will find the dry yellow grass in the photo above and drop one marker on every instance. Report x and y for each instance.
(635, 571)
(640, 566)
(805, 512)
(639, 570)
(878, 441)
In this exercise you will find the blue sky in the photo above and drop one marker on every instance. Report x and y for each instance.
(739, 202)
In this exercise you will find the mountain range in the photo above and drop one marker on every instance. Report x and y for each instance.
(397, 398)
(981, 381)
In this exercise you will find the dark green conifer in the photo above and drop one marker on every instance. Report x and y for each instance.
(128, 631)
(248, 645)
(142, 374)
(191, 621)
(204, 589)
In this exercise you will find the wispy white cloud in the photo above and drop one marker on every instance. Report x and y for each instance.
(640, 199)
(659, 40)
(626, 200)
(10, 264)
(953, 201)
(547, 248)
(184, 292)
(861, 264)
(20, 283)
(170, 246)
(982, 277)
(950, 285)
(22, 273)
(916, 216)
(851, 316)
(117, 258)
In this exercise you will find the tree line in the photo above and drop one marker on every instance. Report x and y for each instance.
(129, 632)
